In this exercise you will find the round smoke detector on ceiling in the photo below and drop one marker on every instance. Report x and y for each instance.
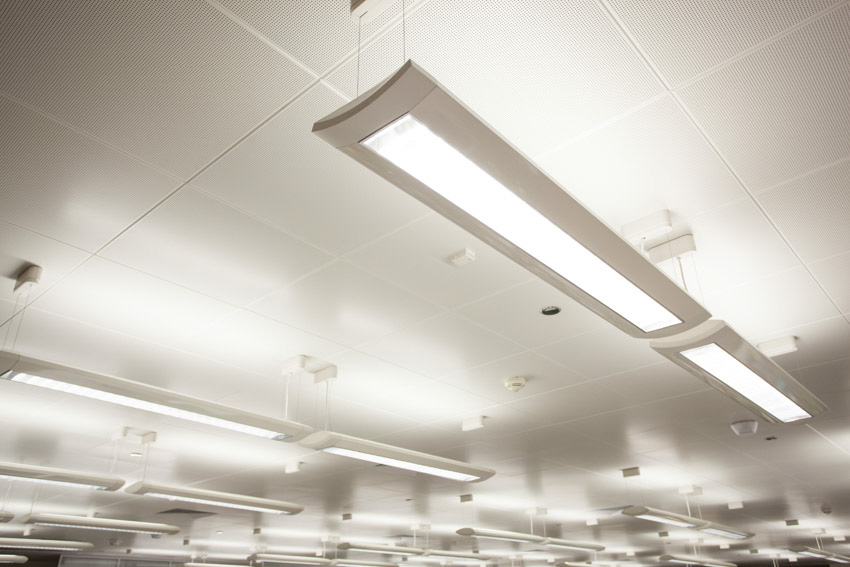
(514, 383)
(745, 428)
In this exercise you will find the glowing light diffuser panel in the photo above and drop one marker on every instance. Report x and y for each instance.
(44, 544)
(214, 498)
(13, 559)
(663, 517)
(721, 357)
(61, 378)
(59, 477)
(99, 524)
(701, 561)
(415, 134)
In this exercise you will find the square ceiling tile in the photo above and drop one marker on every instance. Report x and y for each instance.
(363, 379)
(201, 243)
(652, 159)
(781, 111)
(108, 295)
(287, 176)
(654, 382)
(833, 274)
(66, 186)
(416, 258)
(515, 314)
(440, 346)
(570, 403)
(174, 84)
(344, 304)
(601, 353)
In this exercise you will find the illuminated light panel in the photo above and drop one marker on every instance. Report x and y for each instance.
(566, 544)
(415, 134)
(383, 549)
(701, 561)
(44, 544)
(500, 535)
(819, 553)
(13, 559)
(347, 446)
(725, 532)
(662, 517)
(442, 554)
(59, 477)
(289, 559)
(213, 498)
(356, 563)
(101, 524)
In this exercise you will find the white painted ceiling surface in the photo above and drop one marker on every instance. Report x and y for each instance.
(156, 158)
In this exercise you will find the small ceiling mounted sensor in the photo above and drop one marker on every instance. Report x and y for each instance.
(551, 310)
(745, 428)
(28, 278)
(515, 383)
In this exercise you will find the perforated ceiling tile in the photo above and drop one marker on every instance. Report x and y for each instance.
(289, 177)
(812, 211)
(500, 59)
(62, 184)
(174, 83)
(782, 110)
(684, 39)
(833, 274)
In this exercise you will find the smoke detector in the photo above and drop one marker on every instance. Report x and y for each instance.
(745, 428)
(515, 383)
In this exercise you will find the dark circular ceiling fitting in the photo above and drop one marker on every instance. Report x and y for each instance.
(551, 310)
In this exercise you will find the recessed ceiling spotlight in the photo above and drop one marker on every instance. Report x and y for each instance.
(550, 310)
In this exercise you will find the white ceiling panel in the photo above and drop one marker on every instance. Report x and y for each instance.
(64, 185)
(781, 111)
(571, 403)
(109, 295)
(416, 258)
(654, 382)
(812, 211)
(819, 342)
(515, 314)
(292, 179)
(534, 91)
(650, 160)
(440, 346)
(344, 304)
(201, 243)
(684, 39)
(833, 274)
(173, 84)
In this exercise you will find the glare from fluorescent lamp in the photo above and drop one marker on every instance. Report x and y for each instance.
(58, 525)
(414, 148)
(666, 520)
(54, 482)
(723, 533)
(127, 401)
(215, 503)
(726, 368)
(400, 464)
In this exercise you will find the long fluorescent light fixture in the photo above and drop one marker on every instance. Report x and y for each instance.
(501, 535)
(43, 544)
(6, 516)
(214, 498)
(59, 477)
(380, 453)
(819, 553)
(567, 544)
(61, 378)
(443, 554)
(357, 563)
(663, 517)
(384, 549)
(13, 559)
(414, 133)
(213, 565)
(101, 524)
(289, 559)
(723, 359)
(701, 561)
(725, 531)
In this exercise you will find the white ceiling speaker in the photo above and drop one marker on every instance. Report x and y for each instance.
(745, 427)
(515, 383)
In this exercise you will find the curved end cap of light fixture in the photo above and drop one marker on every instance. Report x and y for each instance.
(6, 517)
(469, 532)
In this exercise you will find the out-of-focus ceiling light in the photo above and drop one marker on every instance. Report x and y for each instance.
(567, 544)
(724, 531)
(102, 524)
(701, 561)
(6, 516)
(722, 358)
(13, 559)
(214, 498)
(60, 477)
(43, 544)
(501, 535)
(289, 559)
(414, 133)
(212, 565)
(663, 517)
(383, 549)
(443, 554)
(358, 563)
(380, 453)
(69, 380)
(819, 553)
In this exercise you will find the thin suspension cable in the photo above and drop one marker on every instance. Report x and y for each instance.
(8, 491)
(11, 321)
(21, 318)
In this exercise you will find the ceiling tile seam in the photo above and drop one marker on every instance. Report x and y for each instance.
(713, 145)
(762, 44)
(360, 248)
(801, 176)
(779, 332)
(828, 440)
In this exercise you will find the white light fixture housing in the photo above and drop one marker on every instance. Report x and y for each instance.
(723, 359)
(501, 535)
(357, 563)
(725, 531)
(6, 516)
(13, 559)
(443, 554)
(383, 549)
(819, 553)
(663, 517)
(411, 131)
(371, 451)
(567, 544)
(59, 477)
(43, 544)
(102, 524)
(701, 561)
(214, 498)
(778, 346)
(52, 376)
(213, 565)
(289, 559)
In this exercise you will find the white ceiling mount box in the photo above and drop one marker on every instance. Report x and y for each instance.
(101, 524)
(716, 354)
(648, 227)
(675, 248)
(374, 452)
(319, 369)
(778, 346)
(214, 498)
(364, 11)
(28, 278)
(411, 131)
(60, 477)
(59, 377)
(13, 559)
(43, 544)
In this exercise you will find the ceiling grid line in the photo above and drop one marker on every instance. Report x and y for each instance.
(803, 176)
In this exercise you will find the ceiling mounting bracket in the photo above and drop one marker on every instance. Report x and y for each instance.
(364, 11)
(320, 369)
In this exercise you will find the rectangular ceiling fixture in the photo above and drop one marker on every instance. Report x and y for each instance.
(43, 544)
(356, 563)
(213, 498)
(663, 517)
(212, 565)
(567, 544)
(414, 133)
(61, 378)
(819, 553)
(720, 357)
(289, 559)
(380, 453)
(13, 559)
(384, 549)
(501, 535)
(59, 477)
(442, 554)
(701, 561)
(725, 531)
(102, 524)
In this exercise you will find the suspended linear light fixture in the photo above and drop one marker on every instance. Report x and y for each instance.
(567, 544)
(701, 561)
(443, 554)
(819, 553)
(664, 517)
(501, 535)
(59, 477)
(25, 370)
(383, 549)
(13, 559)
(102, 524)
(213, 565)
(720, 357)
(380, 453)
(357, 563)
(414, 133)
(43, 544)
(214, 498)
(289, 559)
(724, 531)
